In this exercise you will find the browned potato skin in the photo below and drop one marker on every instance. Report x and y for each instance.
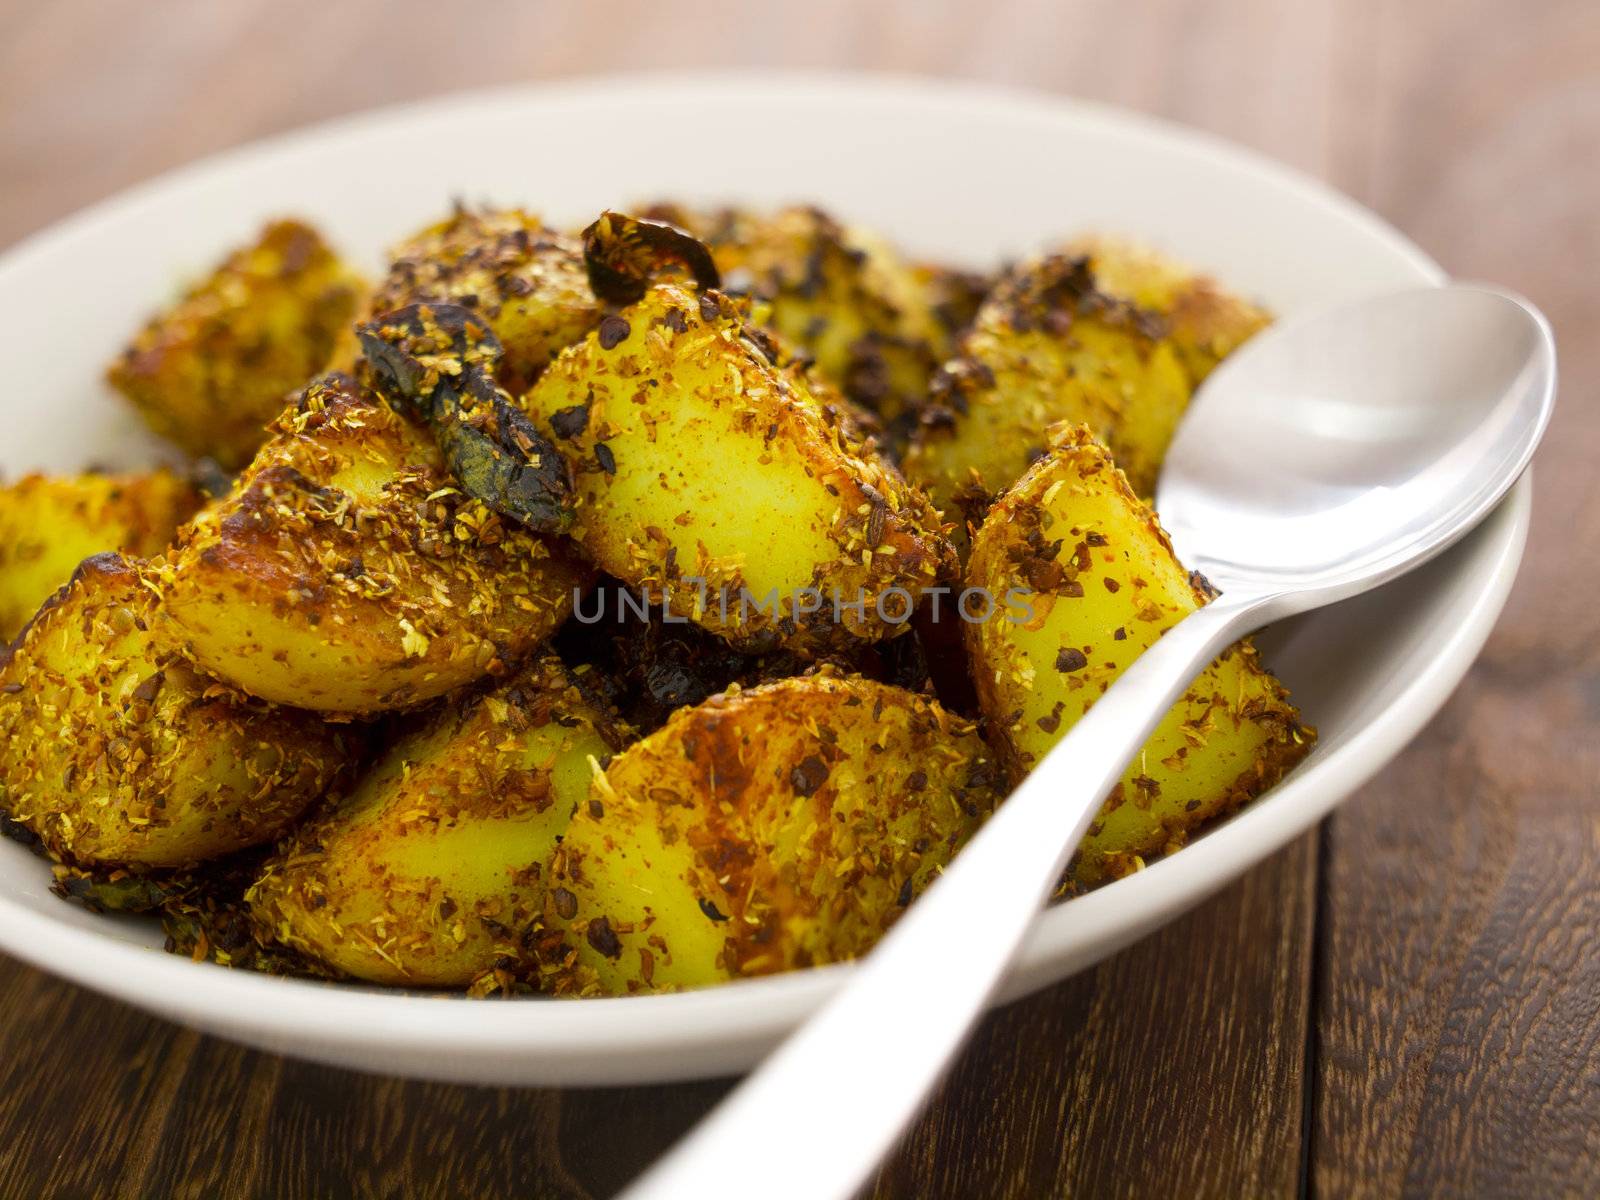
(1205, 321)
(1047, 346)
(345, 572)
(48, 525)
(841, 293)
(1104, 584)
(955, 295)
(685, 439)
(430, 871)
(212, 371)
(1107, 335)
(527, 281)
(114, 751)
(764, 830)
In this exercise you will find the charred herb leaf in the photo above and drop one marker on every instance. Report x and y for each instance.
(437, 361)
(116, 890)
(623, 254)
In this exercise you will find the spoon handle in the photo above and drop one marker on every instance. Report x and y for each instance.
(815, 1118)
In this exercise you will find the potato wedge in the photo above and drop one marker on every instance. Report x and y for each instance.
(113, 750)
(707, 475)
(430, 871)
(1205, 321)
(526, 281)
(212, 371)
(48, 525)
(842, 293)
(760, 831)
(1046, 347)
(1055, 342)
(346, 573)
(1105, 585)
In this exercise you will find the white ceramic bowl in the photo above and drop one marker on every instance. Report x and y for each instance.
(962, 173)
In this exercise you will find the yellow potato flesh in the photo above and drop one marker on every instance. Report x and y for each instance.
(1047, 347)
(49, 525)
(115, 751)
(346, 573)
(763, 830)
(1105, 584)
(429, 873)
(708, 475)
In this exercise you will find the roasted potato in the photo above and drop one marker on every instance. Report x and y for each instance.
(1052, 343)
(113, 750)
(526, 281)
(1102, 584)
(347, 573)
(768, 829)
(49, 525)
(718, 481)
(841, 293)
(1205, 322)
(212, 371)
(430, 871)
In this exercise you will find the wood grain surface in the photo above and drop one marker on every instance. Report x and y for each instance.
(1406, 1004)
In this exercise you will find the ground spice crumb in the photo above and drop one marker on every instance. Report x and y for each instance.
(1071, 659)
(809, 775)
(603, 938)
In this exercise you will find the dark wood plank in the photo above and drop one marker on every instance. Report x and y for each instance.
(1173, 1069)
(1458, 1032)
(99, 1100)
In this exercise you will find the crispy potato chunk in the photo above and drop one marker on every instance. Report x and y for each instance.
(842, 293)
(49, 525)
(1053, 342)
(526, 281)
(761, 831)
(212, 371)
(429, 872)
(1205, 322)
(113, 750)
(346, 572)
(1105, 586)
(706, 474)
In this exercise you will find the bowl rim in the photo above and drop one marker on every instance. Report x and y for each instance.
(726, 1027)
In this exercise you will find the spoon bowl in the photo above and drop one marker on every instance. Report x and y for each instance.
(1355, 443)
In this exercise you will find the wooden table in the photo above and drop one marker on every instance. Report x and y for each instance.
(1406, 1002)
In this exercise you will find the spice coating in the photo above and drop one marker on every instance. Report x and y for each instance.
(1105, 586)
(869, 320)
(213, 370)
(347, 572)
(705, 471)
(1205, 321)
(430, 873)
(764, 830)
(525, 280)
(113, 750)
(1052, 343)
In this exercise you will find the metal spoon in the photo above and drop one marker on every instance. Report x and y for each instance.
(1326, 457)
